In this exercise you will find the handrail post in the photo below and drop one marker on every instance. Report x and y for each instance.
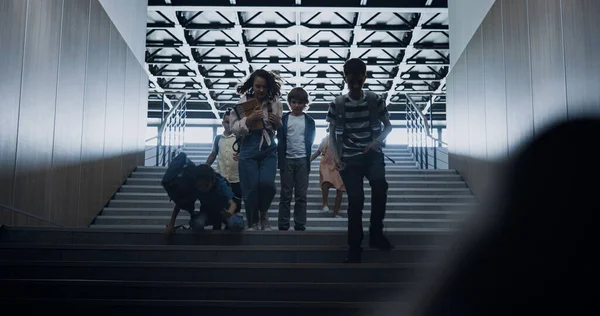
(435, 155)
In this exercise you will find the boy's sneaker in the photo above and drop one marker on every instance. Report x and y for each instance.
(253, 227)
(264, 222)
(354, 256)
(325, 210)
(379, 241)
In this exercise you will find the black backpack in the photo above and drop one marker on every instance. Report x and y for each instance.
(179, 181)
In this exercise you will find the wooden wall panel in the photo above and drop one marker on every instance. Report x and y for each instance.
(549, 87)
(495, 84)
(113, 133)
(36, 116)
(143, 117)
(131, 112)
(582, 46)
(66, 154)
(94, 114)
(12, 36)
(518, 73)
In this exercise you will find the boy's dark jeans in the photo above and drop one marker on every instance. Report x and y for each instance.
(206, 216)
(372, 166)
(294, 179)
(236, 187)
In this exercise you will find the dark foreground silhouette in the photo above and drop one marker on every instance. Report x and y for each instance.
(532, 252)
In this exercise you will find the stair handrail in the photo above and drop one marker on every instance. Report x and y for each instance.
(421, 142)
(12, 209)
(424, 118)
(170, 134)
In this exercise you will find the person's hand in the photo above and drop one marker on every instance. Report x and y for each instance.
(374, 145)
(274, 119)
(236, 156)
(169, 230)
(257, 115)
(339, 165)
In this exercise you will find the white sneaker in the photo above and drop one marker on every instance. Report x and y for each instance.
(253, 228)
(337, 216)
(264, 222)
(326, 210)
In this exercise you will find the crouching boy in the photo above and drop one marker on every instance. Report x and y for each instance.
(216, 202)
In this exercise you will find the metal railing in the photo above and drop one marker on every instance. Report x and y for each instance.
(425, 147)
(171, 133)
(12, 209)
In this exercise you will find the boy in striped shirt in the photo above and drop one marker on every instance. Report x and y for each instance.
(356, 131)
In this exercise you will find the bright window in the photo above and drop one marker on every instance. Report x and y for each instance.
(151, 131)
(200, 135)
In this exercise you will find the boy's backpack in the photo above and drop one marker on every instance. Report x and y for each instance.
(179, 181)
(235, 144)
(216, 143)
(340, 122)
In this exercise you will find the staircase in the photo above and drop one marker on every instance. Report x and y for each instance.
(270, 273)
(123, 263)
(418, 200)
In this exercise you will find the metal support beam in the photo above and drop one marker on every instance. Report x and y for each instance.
(219, 60)
(185, 48)
(239, 36)
(298, 43)
(358, 30)
(157, 87)
(410, 51)
(293, 9)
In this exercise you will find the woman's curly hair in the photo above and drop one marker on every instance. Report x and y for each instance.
(273, 84)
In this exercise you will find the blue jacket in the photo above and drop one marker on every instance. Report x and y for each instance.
(309, 134)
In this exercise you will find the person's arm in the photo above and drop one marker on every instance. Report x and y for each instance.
(315, 155)
(331, 119)
(239, 126)
(211, 158)
(232, 207)
(275, 117)
(320, 150)
(171, 225)
(387, 127)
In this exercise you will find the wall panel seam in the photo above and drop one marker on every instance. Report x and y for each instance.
(564, 51)
(14, 185)
(531, 66)
(87, 54)
(60, 43)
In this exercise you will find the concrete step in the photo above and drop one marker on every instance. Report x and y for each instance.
(201, 156)
(311, 222)
(108, 211)
(209, 272)
(392, 183)
(400, 164)
(391, 175)
(312, 189)
(236, 291)
(161, 171)
(31, 306)
(314, 147)
(98, 236)
(428, 205)
(410, 197)
(229, 254)
(387, 230)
